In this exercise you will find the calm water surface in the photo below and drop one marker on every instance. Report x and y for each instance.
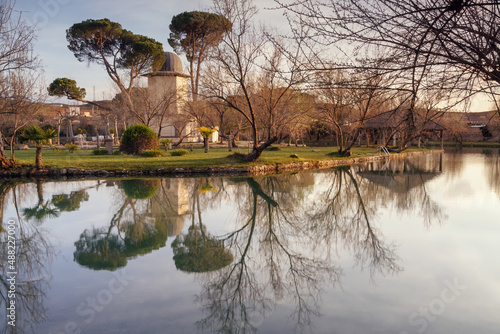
(409, 246)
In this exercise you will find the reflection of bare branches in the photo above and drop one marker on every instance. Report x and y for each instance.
(33, 257)
(369, 249)
(402, 185)
(493, 171)
(345, 218)
(275, 262)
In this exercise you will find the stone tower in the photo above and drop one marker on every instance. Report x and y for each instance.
(169, 83)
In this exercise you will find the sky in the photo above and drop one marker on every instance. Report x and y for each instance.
(146, 17)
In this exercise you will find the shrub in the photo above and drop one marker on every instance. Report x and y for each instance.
(151, 153)
(273, 148)
(294, 156)
(101, 151)
(72, 147)
(165, 143)
(178, 153)
(137, 139)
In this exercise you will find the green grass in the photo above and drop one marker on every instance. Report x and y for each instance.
(217, 157)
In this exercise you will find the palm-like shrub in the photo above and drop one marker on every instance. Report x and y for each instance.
(40, 137)
(206, 133)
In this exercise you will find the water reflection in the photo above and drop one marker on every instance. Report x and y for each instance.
(138, 226)
(493, 169)
(275, 260)
(402, 184)
(43, 209)
(31, 266)
(279, 248)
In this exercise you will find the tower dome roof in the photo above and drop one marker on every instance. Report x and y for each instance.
(172, 63)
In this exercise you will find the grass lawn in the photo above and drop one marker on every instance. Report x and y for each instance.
(217, 157)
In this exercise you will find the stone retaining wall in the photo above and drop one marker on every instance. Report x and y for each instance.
(220, 171)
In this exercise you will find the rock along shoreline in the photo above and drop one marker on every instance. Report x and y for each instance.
(77, 173)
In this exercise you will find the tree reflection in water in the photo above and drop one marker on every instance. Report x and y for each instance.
(148, 212)
(274, 260)
(131, 231)
(198, 251)
(493, 169)
(288, 234)
(34, 254)
(281, 249)
(43, 210)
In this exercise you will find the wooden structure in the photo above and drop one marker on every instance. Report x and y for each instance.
(400, 124)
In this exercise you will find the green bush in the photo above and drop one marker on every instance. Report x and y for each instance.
(273, 148)
(140, 188)
(100, 151)
(178, 153)
(294, 156)
(151, 153)
(138, 138)
(72, 147)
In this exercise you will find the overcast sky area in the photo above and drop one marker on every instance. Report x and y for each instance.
(146, 17)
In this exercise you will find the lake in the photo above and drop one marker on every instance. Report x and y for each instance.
(404, 246)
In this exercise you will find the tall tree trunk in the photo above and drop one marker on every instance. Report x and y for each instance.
(115, 138)
(230, 139)
(205, 143)
(12, 154)
(2, 150)
(70, 130)
(38, 157)
(97, 138)
(59, 132)
(4, 162)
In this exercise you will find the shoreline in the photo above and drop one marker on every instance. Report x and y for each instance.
(279, 168)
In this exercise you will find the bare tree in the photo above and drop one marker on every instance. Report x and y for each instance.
(16, 52)
(440, 45)
(150, 108)
(16, 40)
(22, 102)
(276, 89)
(230, 78)
(248, 62)
(347, 99)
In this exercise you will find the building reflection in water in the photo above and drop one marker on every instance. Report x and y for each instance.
(171, 204)
(149, 211)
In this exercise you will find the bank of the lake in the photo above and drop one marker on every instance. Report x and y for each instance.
(217, 162)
